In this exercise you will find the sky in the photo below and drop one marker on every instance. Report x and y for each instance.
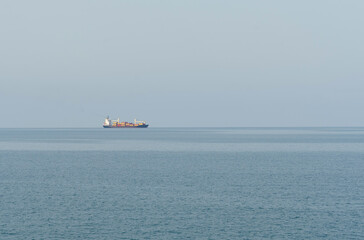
(182, 63)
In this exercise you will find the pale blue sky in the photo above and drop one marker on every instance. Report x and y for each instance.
(182, 63)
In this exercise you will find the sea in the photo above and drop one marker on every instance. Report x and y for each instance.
(182, 183)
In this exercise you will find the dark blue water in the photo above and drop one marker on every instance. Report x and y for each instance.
(253, 183)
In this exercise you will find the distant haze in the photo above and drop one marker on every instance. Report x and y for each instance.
(182, 63)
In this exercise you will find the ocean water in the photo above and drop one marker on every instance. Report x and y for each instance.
(182, 183)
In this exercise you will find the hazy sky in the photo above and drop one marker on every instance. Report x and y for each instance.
(182, 63)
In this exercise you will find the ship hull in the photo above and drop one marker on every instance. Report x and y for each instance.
(141, 126)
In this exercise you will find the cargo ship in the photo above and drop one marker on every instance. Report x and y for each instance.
(117, 124)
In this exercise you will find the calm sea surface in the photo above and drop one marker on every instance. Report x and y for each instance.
(182, 183)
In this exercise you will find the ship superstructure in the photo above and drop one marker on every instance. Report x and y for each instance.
(108, 123)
